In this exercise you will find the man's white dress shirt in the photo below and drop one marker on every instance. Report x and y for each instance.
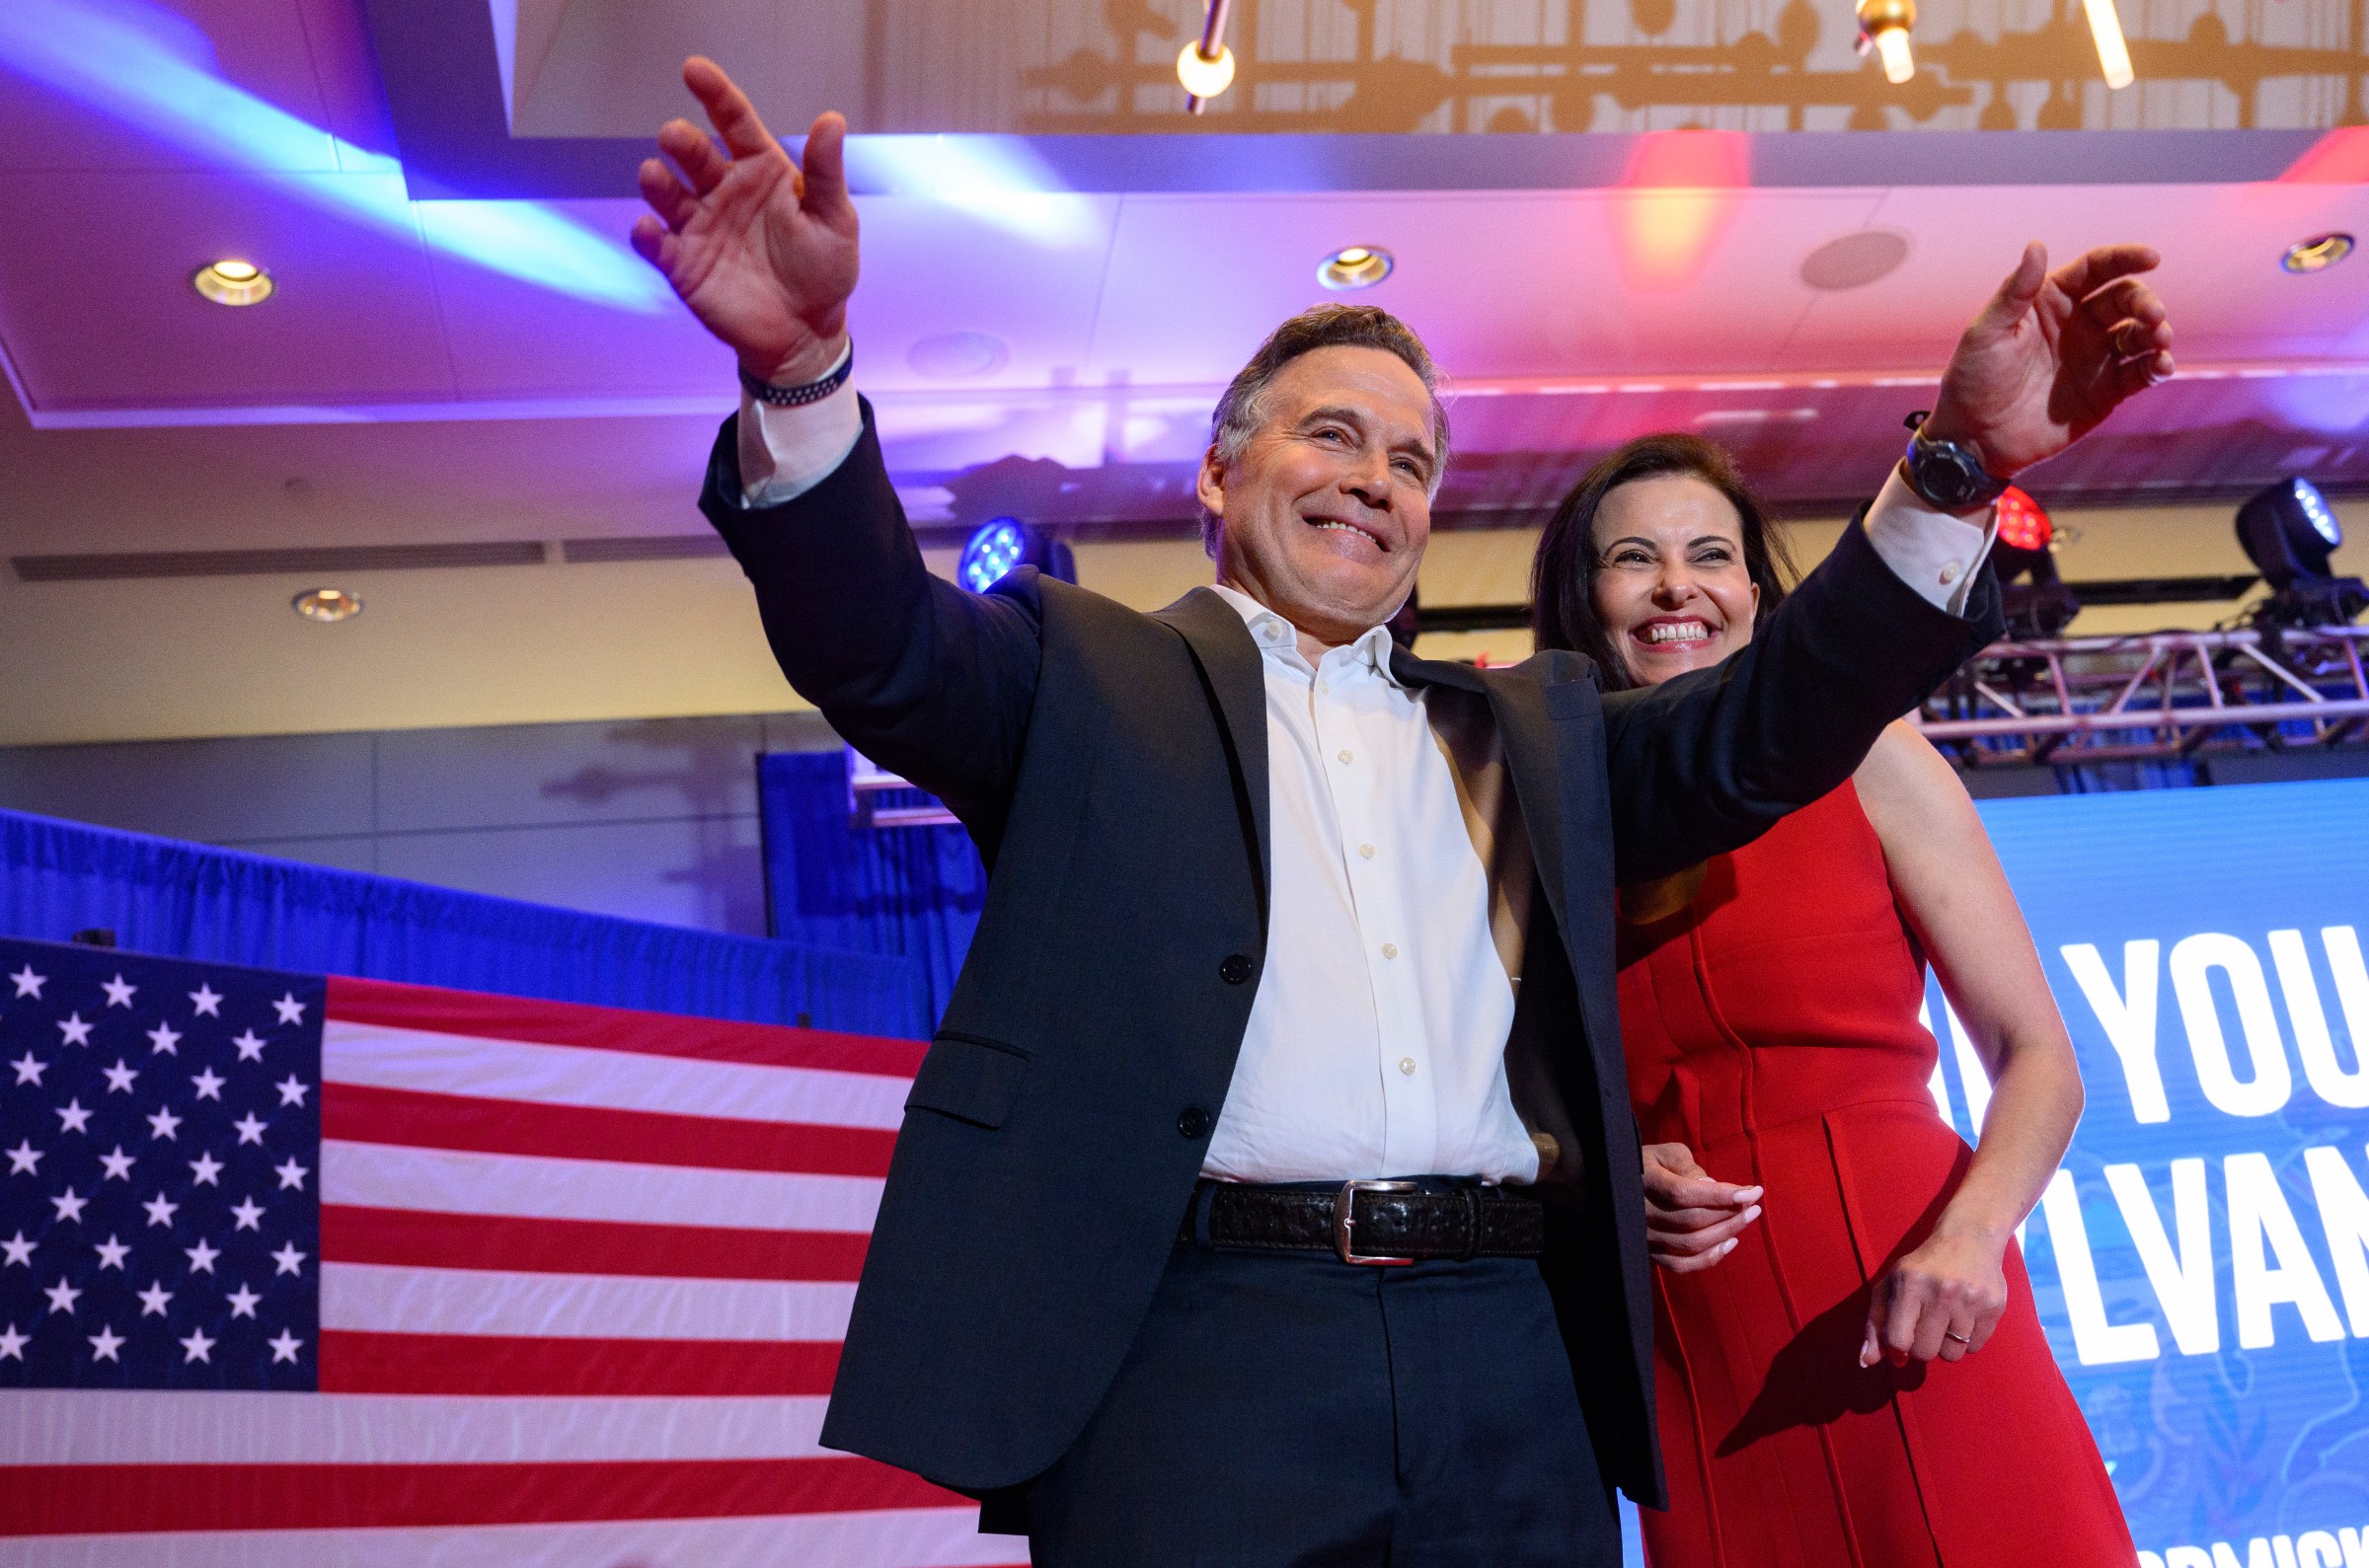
(1376, 1044)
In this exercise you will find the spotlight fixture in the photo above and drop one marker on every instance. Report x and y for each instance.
(1883, 26)
(327, 604)
(1205, 65)
(2041, 606)
(232, 282)
(1354, 267)
(2318, 253)
(2113, 53)
(1000, 543)
(2289, 534)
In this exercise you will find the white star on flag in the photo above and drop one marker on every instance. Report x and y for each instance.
(105, 1344)
(19, 1250)
(75, 1030)
(28, 984)
(162, 1124)
(291, 1174)
(75, 1118)
(209, 1000)
(120, 1076)
(250, 1129)
(70, 1206)
(119, 1164)
(154, 1298)
(112, 1253)
(251, 1045)
(242, 1302)
(203, 1169)
(118, 993)
(290, 1010)
(161, 1210)
(196, 1347)
(291, 1260)
(250, 1216)
(28, 1071)
(12, 1344)
(293, 1090)
(62, 1297)
(202, 1257)
(210, 1083)
(284, 1347)
(23, 1158)
(164, 1040)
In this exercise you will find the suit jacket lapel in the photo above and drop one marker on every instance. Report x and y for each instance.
(1230, 664)
(1518, 704)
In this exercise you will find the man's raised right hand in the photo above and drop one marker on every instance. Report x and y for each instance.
(763, 252)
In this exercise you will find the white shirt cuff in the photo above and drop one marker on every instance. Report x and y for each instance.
(1933, 552)
(787, 452)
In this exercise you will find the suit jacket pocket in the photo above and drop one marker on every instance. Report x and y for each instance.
(968, 1079)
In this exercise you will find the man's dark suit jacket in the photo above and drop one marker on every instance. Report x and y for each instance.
(1112, 767)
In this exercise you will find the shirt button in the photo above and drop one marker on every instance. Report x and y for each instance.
(1407, 1064)
(1366, 849)
(1348, 755)
(1390, 949)
(1950, 571)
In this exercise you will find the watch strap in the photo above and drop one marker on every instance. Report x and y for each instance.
(798, 397)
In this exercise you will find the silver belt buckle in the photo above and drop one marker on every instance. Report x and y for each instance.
(1345, 1219)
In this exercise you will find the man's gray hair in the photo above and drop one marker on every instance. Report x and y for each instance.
(1242, 410)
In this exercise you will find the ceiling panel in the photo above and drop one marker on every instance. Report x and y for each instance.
(95, 310)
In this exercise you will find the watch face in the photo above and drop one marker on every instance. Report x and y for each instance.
(1948, 474)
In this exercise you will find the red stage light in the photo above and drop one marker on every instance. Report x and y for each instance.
(2023, 523)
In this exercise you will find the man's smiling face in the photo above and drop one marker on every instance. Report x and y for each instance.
(1325, 515)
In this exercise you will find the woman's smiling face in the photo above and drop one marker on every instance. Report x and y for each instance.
(1670, 584)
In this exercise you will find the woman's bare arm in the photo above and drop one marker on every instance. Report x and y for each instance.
(1944, 1298)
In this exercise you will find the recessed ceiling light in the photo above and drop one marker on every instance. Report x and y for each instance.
(327, 604)
(2317, 253)
(1356, 266)
(232, 282)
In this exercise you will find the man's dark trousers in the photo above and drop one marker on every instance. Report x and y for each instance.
(1289, 1408)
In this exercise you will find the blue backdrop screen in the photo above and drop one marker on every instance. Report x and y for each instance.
(2202, 1260)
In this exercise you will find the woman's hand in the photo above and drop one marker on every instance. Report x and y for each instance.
(1942, 1299)
(1691, 1220)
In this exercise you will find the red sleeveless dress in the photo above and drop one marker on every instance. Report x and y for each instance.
(1771, 1026)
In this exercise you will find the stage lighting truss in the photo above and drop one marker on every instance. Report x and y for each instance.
(2164, 695)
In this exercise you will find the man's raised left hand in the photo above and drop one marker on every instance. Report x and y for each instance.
(2052, 354)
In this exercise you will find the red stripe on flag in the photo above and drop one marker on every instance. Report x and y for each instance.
(367, 1114)
(412, 1239)
(502, 1364)
(87, 1499)
(482, 1016)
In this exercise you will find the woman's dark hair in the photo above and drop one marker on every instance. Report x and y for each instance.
(1563, 610)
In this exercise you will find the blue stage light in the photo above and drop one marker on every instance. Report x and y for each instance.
(152, 70)
(995, 547)
(1000, 543)
(2290, 532)
(2316, 512)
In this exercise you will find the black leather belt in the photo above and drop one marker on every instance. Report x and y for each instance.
(1375, 1223)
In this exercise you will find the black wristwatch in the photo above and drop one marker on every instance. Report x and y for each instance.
(1948, 475)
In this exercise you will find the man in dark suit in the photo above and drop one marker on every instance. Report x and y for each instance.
(1269, 1194)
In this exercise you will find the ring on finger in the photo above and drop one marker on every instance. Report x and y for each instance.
(1966, 1340)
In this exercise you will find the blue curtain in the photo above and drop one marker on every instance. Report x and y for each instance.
(187, 901)
(912, 892)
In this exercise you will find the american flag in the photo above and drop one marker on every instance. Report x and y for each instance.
(307, 1271)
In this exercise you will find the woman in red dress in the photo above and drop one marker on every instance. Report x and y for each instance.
(1849, 1368)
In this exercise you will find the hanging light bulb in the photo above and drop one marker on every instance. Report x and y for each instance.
(2113, 54)
(1885, 23)
(1205, 65)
